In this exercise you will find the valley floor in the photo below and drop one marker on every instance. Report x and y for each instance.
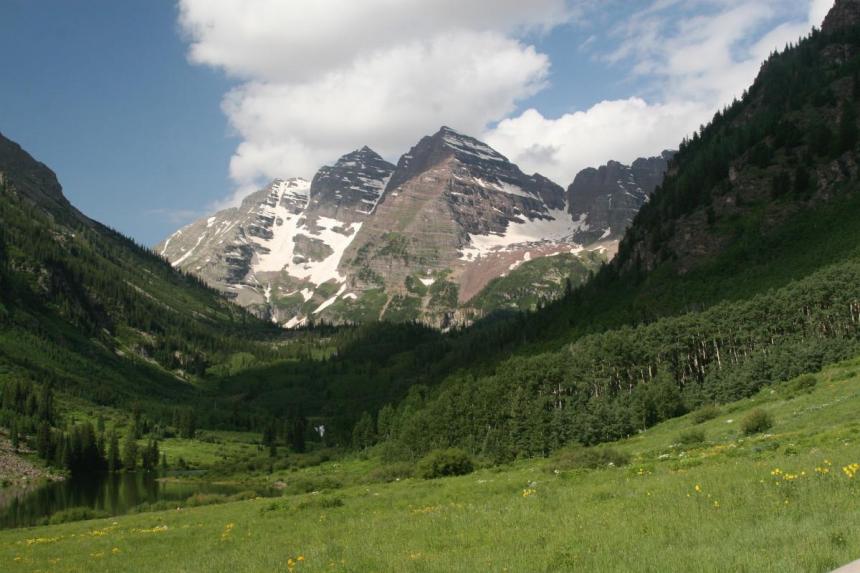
(783, 501)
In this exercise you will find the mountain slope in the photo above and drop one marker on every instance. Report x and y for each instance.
(741, 271)
(748, 201)
(279, 253)
(419, 241)
(87, 309)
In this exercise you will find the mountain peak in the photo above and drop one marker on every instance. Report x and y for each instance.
(360, 153)
(32, 179)
(352, 186)
(844, 14)
(465, 145)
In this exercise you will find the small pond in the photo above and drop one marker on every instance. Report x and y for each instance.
(112, 494)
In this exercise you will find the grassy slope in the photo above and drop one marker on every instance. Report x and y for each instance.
(533, 281)
(645, 517)
(758, 260)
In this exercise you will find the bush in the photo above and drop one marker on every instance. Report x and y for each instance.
(692, 437)
(756, 422)
(589, 458)
(77, 514)
(803, 385)
(443, 463)
(161, 505)
(391, 472)
(244, 495)
(308, 484)
(705, 413)
(321, 503)
(201, 499)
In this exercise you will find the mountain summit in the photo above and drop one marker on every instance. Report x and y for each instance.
(422, 240)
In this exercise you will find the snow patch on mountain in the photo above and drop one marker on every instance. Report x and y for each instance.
(278, 250)
(330, 301)
(190, 252)
(558, 227)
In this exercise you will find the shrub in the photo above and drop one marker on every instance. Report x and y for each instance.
(161, 505)
(77, 514)
(443, 463)
(200, 499)
(391, 472)
(312, 460)
(308, 484)
(803, 385)
(590, 458)
(692, 437)
(705, 413)
(244, 495)
(321, 503)
(756, 422)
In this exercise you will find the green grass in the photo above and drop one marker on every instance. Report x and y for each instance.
(709, 506)
(533, 281)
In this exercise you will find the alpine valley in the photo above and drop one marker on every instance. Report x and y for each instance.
(449, 235)
(448, 365)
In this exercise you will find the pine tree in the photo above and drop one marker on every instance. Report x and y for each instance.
(129, 452)
(364, 432)
(113, 460)
(385, 421)
(848, 129)
(44, 441)
(296, 434)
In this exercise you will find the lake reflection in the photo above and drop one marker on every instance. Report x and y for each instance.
(112, 494)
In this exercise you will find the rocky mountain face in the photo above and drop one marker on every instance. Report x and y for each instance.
(367, 240)
(844, 14)
(33, 180)
(605, 200)
(788, 146)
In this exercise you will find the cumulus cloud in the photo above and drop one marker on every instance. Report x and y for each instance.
(324, 77)
(621, 130)
(318, 79)
(691, 59)
(387, 99)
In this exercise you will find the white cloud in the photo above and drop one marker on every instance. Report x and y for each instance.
(322, 78)
(387, 100)
(297, 40)
(693, 57)
(621, 130)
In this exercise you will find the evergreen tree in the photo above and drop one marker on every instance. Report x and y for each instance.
(113, 455)
(46, 404)
(385, 421)
(364, 432)
(129, 451)
(149, 456)
(44, 441)
(296, 434)
(848, 129)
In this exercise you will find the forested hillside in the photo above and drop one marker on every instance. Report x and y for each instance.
(740, 271)
(88, 311)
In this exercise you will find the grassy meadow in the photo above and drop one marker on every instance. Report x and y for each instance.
(786, 500)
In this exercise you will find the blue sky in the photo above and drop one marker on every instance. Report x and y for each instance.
(154, 112)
